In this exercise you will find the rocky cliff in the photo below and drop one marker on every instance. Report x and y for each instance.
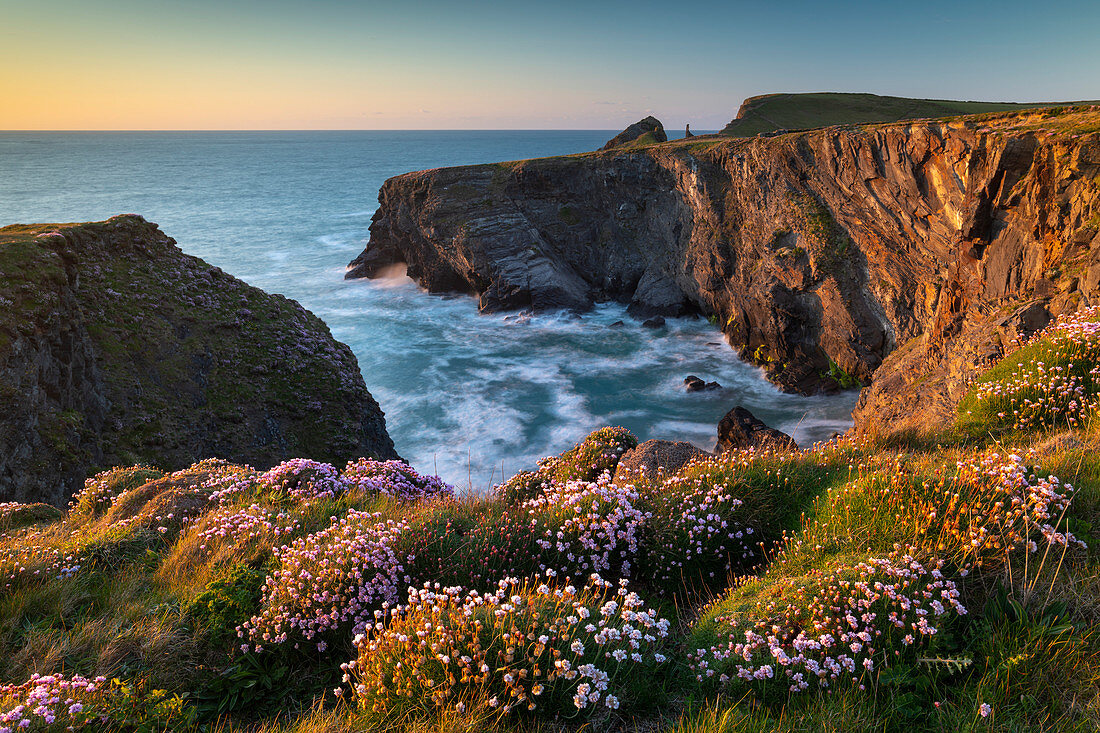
(904, 256)
(117, 348)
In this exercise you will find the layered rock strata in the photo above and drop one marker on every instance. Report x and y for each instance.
(901, 256)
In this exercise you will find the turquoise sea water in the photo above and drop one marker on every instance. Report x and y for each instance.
(467, 396)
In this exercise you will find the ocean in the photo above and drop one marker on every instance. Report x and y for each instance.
(473, 398)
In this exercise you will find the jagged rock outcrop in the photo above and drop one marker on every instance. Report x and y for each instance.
(645, 131)
(903, 255)
(117, 348)
(693, 384)
(739, 429)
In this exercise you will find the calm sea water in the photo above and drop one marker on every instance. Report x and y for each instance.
(468, 396)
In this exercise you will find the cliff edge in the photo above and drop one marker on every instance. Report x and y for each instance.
(116, 347)
(901, 256)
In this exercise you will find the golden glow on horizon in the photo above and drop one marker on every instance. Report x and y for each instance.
(91, 79)
(369, 64)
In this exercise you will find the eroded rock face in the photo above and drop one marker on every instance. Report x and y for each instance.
(905, 255)
(741, 429)
(117, 348)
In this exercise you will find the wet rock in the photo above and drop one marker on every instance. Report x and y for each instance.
(741, 429)
(656, 458)
(654, 323)
(694, 384)
(617, 324)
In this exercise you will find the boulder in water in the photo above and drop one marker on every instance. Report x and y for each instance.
(741, 429)
(694, 384)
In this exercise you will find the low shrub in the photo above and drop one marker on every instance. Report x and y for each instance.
(228, 603)
(535, 646)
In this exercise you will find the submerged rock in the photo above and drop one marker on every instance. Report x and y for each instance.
(741, 429)
(117, 348)
(654, 323)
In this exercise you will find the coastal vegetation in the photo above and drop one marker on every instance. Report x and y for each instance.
(927, 583)
(771, 112)
(118, 348)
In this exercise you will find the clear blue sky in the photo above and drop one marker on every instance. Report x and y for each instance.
(291, 64)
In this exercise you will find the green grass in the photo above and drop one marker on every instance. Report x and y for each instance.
(1049, 384)
(771, 112)
(160, 613)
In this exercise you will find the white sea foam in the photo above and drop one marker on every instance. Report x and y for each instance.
(462, 392)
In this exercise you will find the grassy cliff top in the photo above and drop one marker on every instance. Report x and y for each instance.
(770, 112)
(1064, 120)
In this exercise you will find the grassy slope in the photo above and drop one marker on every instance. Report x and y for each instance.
(805, 111)
(158, 607)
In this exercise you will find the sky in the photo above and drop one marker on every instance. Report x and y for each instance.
(556, 64)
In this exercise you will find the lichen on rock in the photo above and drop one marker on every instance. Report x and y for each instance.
(116, 347)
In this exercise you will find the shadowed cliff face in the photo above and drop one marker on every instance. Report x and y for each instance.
(904, 255)
(117, 348)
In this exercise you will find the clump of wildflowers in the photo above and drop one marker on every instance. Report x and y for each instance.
(1053, 381)
(330, 580)
(103, 489)
(249, 525)
(48, 700)
(56, 702)
(534, 645)
(395, 479)
(698, 529)
(1018, 507)
(831, 626)
(301, 479)
(597, 454)
(586, 527)
(33, 560)
(296, 480)
(15, 515)
(973, 516)
(227, 481)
